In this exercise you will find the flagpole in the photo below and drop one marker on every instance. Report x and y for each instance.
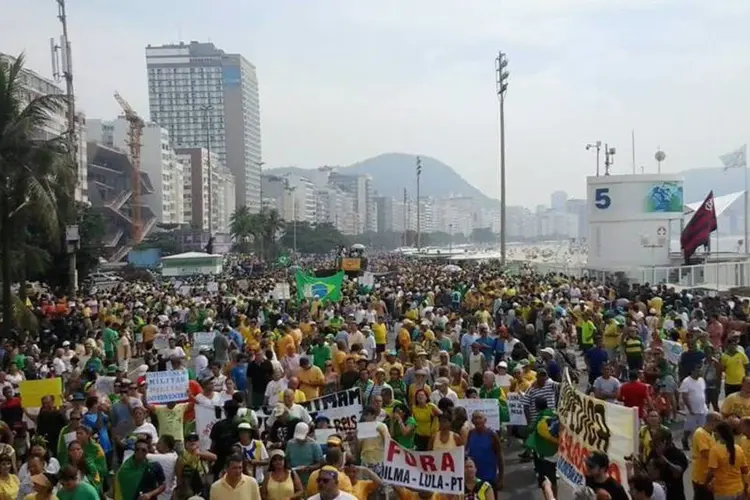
(744, 167)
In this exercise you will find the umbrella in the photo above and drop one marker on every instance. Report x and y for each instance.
(358, 246)
(451, 268)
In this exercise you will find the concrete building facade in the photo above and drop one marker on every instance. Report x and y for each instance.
(206, 97)
(196, 203)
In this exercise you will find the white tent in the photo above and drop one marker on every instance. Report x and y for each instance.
(721, 203)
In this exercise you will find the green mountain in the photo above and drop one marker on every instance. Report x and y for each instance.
(392, 172)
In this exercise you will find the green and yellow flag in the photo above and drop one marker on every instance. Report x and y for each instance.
(328, 288)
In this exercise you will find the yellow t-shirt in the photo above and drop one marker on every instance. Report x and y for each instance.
(727, 477)
(702, 443)
(612, 335)
(363, 488)
(9, 489)
(345, 484)
(313, 375)
(656, 304)
(736, 404)
(339, 361)
(380, 332)
(426, 421)
(734, 367)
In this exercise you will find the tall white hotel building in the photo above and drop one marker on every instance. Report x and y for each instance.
(206, 97)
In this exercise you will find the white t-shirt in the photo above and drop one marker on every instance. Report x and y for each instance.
(256, 450)
(167, 462)
(696, 393)
(341, 496)
(273, 389)
(147, 428)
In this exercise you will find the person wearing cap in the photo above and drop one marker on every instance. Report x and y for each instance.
(253, 451)
(191, 470)
(443, 390)
(548, 359)
(303, 453)
(282, 482)
(44, 484)
(328, 485)
(235, 485)
(598, 478)
(390, 362)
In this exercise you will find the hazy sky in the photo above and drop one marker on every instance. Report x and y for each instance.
(343, 80)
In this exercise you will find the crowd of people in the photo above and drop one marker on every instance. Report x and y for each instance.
(415, 344)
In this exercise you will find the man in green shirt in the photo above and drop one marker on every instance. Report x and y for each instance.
(321, 353)
(72, 488)
(110, 339)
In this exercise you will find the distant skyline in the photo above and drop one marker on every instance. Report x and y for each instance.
(343, 81)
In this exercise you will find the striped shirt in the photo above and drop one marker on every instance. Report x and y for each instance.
(549, 391)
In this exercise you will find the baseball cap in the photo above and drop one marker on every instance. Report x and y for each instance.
(301, 430)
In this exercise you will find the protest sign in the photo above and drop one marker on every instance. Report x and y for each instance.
(203, 339)
(343, 408)
(515, 409)
(367, 430)
(489, 407)
(161, 342)
(205, 418)
(441, 471)
(587, 425)
(32, 391)
(322, 435)
(672, 351)
(167, 386)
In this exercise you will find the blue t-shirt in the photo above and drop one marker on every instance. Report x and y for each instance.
(488, 348)
(303, 453)
(91, 420)
(236, 337)
(596, 357)
(239, 376)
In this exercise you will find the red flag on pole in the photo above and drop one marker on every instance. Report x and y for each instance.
(698, 230)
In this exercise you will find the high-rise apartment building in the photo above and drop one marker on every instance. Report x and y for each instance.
(207, 98)
(360, 187)
(196, 201)
(35, 85)
(158, 160)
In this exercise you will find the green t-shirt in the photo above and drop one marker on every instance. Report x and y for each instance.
(587, 333)
(171, 420)
(321, 354)
(84, 491)
(20, 361)
(407, 441)
(493, 393)
(110, 338)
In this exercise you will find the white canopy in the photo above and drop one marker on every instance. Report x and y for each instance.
(721, 203)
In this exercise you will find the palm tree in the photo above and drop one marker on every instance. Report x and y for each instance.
(267, 225)
(241, 228)
(36, 172)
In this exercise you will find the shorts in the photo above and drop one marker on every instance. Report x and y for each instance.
(668, 385)
(612, 354)
(545, 470)
(692, 422)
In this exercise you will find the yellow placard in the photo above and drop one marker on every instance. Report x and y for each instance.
(32, 391)
(350, 264)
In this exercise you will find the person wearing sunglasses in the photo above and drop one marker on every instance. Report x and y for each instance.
(328, 486)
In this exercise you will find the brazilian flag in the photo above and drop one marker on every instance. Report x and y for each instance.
(326, 289)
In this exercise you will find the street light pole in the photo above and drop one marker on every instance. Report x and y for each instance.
(207, 109)
(450, 241)
(501, 80)
(260, 177)
(419, 229)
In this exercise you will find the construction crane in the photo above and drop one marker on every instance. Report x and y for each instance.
(135, 132)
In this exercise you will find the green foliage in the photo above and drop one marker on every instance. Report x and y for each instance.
(256, 233)
(38, 176)
(313, 238)
(166, 241)
(483, 235)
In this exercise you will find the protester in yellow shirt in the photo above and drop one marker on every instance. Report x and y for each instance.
(311, 379)
(734, 362)
(380, 332)
(703, 441)
(285, 343)
(738, 403)
(726, 464)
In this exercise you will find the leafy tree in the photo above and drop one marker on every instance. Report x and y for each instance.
(166, 241)
(483, 235)
(257, 232)
(312, 238)
(36, 171)
(241, 229)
